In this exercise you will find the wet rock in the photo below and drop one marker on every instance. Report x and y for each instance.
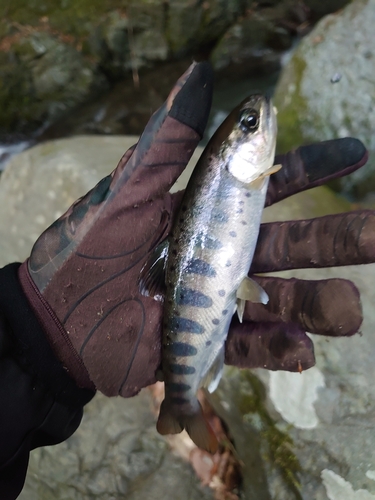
(131, 40)
(116, 453)
(194, 25)
(55, 57)
(256, 42)
(258, 39)
(327, 89)
(50, 77)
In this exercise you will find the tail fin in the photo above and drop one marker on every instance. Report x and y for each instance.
(196, 426)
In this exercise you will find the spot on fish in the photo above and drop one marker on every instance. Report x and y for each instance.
(215, 321)
(233, 234)
(239, 211)
(244, 223)
(228, 263)
(219, 216)
(242, 202)
(208, 343)
(179, 401)
(221, 293)
(178, 387)
(182, 349)
(224, 312)
(179, 325)
(199, 266)
(181, 369)
(190, 297)
(248, 195)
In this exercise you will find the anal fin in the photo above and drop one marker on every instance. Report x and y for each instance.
(214, 374)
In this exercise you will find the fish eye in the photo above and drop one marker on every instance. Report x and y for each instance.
(249, 120)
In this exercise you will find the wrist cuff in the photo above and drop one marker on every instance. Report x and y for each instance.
(39, 336)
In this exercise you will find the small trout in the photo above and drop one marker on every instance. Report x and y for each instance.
(209, 254)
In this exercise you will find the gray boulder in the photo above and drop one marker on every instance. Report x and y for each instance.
(327, 90)
(49, 78)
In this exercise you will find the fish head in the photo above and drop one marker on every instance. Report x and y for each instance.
(249, 150)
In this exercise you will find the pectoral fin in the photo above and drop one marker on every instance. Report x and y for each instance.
(258, 182)
(251, 291)
(152, 277)
(273, 169)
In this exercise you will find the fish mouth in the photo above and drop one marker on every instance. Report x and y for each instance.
(268, 106)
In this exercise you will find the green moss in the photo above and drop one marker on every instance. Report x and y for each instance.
(78, 15)
(279, 445)
(17, 103)
(289, 113)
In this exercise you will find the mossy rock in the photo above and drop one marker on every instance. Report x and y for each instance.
(327, 90)
(48, 78)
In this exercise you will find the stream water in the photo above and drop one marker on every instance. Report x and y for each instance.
(124, 110)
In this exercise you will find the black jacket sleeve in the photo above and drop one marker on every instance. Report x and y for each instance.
(40, 404)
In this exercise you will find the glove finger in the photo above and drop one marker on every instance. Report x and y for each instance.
(326, 307)
(314, 165)
(330, 241)
(169, 139)
(274, 346)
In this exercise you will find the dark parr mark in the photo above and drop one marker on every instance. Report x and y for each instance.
(212, 244)
(178, 387)
(221, 293)
(182, 349)
(179, 401)
(198, 266)
(179, 325)
(190, 297)
(215, 321)
(181, 369)
(203, 240)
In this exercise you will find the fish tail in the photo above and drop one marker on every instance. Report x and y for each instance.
(196, 426)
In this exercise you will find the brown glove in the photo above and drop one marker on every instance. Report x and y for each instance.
(82, 276)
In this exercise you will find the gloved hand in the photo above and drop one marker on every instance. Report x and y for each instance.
(82, 276)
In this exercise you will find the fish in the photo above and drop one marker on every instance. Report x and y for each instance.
(201, 270)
